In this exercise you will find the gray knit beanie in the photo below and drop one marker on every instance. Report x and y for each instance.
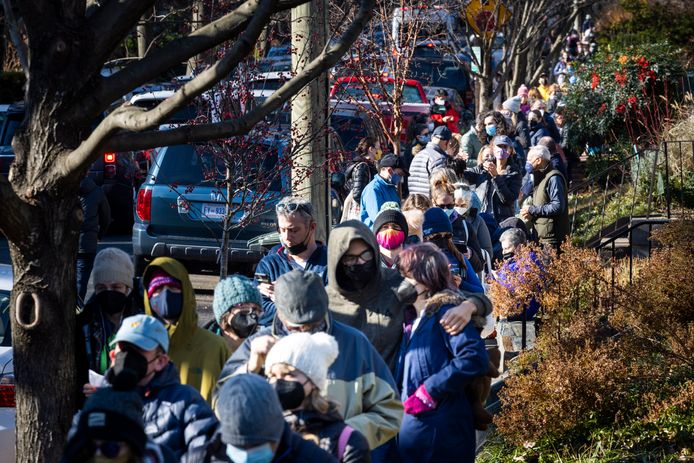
(111, 265)
(235, 289)
(249, 412)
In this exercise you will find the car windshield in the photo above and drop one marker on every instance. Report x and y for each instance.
(205, 165)
(266, 84)
(437, 74)
(355, 91)
(184, 114)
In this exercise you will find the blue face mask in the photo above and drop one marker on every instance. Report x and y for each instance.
(167, 304)
(491, 130)
(424, 138)
(260, 454)
(395, 178)
(450, 213)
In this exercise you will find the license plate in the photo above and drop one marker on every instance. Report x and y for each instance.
(214, 211)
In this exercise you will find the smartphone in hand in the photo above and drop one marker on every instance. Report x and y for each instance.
(262, 278)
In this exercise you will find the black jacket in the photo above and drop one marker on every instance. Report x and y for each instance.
(97, 215)
(537, 131)
(498, 195)
(358, 175)
(328, 428)
(292, 448)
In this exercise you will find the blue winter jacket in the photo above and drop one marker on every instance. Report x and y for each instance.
(376, 194)
(471, 283)
(444, 364)
(359, 381)
(276, 263)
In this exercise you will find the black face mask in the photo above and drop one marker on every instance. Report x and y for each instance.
(360, 274)
(167, 304)
(244, 324)
(508, 255)
(290, 393)
(111, 302)
(301, 247)
(128, 370)
(406, 293)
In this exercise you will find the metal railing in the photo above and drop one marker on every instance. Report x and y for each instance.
(644, 180)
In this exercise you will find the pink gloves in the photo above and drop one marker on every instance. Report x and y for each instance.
(419, 402)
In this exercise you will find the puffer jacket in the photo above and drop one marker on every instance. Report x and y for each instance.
(358, 175)
(327, 428)
(97, 215)
(444, 364)
(498, 194)
(424, 163)
(358, 381)
(198, 354)
(378, 192)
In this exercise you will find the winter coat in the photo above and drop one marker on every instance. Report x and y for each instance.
(498, 194)
(97, 331)
(358, 175)
(471, 282)
(551, 127)
(424, 163)
(327, 429)
(198, 354)
(481, 230)
(359, 381)
(537, 131)
(438, 112)
(444, 364)
(464, 235)
(557, 163)
(97, 215)
(550, 209)
(277, 262)
(292, 448)
(174, 415)
(471, 145)
(376, 194)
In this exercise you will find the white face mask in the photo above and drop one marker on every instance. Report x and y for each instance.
(461, 210)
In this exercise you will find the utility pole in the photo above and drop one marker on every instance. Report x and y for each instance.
(310, 113)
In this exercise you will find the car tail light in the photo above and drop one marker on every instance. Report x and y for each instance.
(7, 398)
(144, 204)
(109, 158)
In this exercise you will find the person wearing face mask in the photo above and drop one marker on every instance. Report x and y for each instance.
(298, 250)
(467, 204)
(547, 120)
(413, 209)
(198, 354)
(237, 309)
(543, 86)
(110, 429)
(391, 231)
(434, 368)
(253, 430)
(358, 174)
(174, 415)
(360, 381)
(537, 127)
(549, 211)
(523, 93)
(420, 140)
(297, 368)
(111, 302)
(443, 113)
(497, 179)
(433, 157)
(383, 188)
(472, 142)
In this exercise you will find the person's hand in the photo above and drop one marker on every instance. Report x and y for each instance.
(455, 319)
(267, 290)
(260, 346)
(525, 212)
(88, 389)
(419, 402)
(463, 155)
(457, 280)
(490, 167)
(447, 118)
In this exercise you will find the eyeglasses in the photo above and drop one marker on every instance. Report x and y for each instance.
(364, 257)
(282, 208)
(445, 206)
(109, 449)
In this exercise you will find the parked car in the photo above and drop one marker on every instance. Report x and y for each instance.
(352, 125)
(7, 396)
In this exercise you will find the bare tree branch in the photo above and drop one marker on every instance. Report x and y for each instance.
(101, 138)
(14, 26)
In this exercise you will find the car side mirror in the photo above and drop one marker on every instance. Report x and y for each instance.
(337, 179)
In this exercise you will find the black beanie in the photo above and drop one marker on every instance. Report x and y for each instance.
(390, 216)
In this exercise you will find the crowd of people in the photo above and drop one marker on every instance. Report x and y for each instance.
(377, 345)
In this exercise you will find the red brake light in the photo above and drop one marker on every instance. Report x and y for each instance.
(109, 158)
(144, 204)
(7, 398)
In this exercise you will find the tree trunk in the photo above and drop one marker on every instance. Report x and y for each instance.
(141, 37)
(43, 327)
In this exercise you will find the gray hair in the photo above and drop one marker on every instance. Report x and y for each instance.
(295, 206)
(514, 236)
(539, 151)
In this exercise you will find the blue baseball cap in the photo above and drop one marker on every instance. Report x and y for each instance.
(144, 332)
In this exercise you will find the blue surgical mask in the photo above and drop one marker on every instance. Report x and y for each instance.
(167, 304)
(395, 179)
(491, 130)
(424, 138)
(260, 454)
(449, 213)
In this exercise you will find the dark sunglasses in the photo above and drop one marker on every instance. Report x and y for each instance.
(293, 207)
(445, 206)
(109, 449)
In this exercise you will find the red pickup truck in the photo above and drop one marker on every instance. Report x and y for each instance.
(349, 92)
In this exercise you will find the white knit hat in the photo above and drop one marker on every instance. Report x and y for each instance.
(311, 353)
(111, 265)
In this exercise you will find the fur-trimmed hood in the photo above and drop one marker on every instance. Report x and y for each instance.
(451, 297)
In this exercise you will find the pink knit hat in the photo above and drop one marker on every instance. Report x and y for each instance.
(522, 90)
(161, 278)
